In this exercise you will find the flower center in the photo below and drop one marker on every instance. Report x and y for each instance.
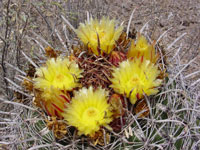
(142, 47)
(98, 33)
(91, 112)
(101, 34)
(60, 77)
(137, 81)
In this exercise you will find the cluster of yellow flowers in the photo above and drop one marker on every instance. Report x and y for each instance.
(88, 108)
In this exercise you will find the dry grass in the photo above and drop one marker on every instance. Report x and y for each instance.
(28, 27)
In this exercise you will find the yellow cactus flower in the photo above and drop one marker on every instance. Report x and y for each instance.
(58, 73)
(53, 81)
(88, 111)
(135, 77)
(142, 49)
(99, 36)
